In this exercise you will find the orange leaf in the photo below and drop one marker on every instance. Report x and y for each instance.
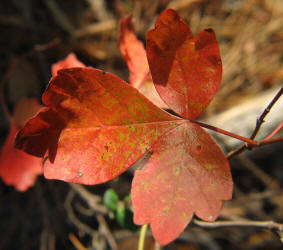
(70, 61)
(134, 55)
(187, 174)
(18, 168)
(186, 71)
(95, 128)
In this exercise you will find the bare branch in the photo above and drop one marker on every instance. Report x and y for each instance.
(241, 223)
(103, 227)
(75, 241)
(92, 200)
(276, 130)
(271, 225)
(260, 120)
(249, 142)
(83, 227)
(258, 125)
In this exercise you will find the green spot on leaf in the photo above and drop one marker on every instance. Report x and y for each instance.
(209, 69)
(121, 136)
(208, 166)
(132, 128)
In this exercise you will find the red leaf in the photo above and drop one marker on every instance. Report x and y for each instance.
(186, 71)
(47, 124)
(186, 174)
(16, 167)
(40, 134)
(70, 61)
(134, 54)
(95, 128)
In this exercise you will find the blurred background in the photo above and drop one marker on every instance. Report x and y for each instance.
(55, 215)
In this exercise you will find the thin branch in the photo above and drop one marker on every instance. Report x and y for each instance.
(260, 120)
(225, 132)
(43, 240)
(42, 47)
(95, 28)
(248, 141)
(269, 141)
(98, 7)
(241, 223)
(258, 125)
(75, 241)
(274, 131)
(83, 210)
(97, 241)
(59, 16)
(83, 227)
(157, 246)
(103, 227)
(92, 200)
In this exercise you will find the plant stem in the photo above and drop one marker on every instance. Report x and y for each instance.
(248, 141)
(142, 237)
(94, 201)
(75, 241)
(225, 132)
(241, 223)
(259, 122)
(105, 231)
(274, 131)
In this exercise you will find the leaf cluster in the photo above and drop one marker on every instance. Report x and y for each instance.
(95, 126)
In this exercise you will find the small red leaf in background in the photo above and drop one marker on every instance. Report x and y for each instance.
(186, 71)
(95, 128)
(134, 54)
(70, 61)
(18, 168)
(47, 124)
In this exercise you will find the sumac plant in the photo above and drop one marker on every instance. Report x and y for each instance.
(95, 126)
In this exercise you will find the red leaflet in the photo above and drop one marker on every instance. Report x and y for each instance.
(186, 71)
(16, 167)
(186, 174)
(134, 54)
(69, 62)
(95, 128)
